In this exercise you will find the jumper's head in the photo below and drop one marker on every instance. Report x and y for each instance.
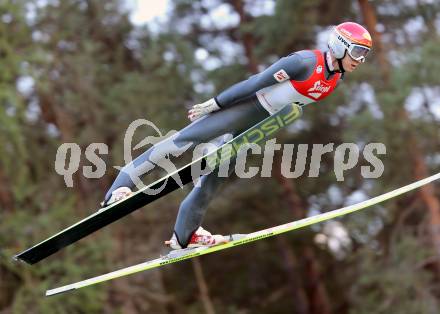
(349, 43)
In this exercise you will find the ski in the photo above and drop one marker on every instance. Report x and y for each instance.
(256, 134)
(236, 240)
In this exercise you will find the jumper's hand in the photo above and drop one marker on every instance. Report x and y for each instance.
(199, 110)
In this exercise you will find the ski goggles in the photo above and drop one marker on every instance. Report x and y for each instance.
(358, 52)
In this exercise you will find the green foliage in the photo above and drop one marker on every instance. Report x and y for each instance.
(396, 283)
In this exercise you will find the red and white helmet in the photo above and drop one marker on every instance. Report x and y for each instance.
(352, 38)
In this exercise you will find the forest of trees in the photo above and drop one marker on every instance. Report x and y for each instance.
(79, 71)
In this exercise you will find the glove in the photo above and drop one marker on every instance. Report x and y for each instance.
(199, 110)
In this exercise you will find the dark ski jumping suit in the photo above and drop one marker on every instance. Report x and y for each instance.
(302, 77)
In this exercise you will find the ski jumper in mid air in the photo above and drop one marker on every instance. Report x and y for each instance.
(302, 77)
